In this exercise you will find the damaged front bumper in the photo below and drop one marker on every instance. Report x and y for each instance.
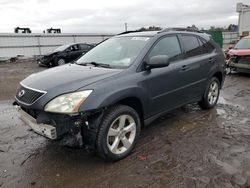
(46, 130)
(76, 131)
(240, 64)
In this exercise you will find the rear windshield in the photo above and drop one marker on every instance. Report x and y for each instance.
(243, 44)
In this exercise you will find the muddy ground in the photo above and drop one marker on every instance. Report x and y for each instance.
(188, 147)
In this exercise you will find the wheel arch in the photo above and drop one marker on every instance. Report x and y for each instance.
(219, 76)
(133, 102)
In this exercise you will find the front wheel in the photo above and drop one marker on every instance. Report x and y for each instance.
(119, 132)
(61, 61)
(211, 95)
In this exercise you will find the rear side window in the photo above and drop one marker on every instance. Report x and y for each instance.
(191, 46)
(84, 46)
(167, 46)
(206, 46)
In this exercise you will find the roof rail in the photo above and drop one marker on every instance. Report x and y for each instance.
(180, 29)
(126, 32)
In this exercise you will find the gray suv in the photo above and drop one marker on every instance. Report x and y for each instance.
(102, 101)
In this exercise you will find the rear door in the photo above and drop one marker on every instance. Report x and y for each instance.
(84, 48)
(74, 52)
(195, 67)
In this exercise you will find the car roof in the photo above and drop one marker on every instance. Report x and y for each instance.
(70, 44)
(161, 32)
(247, 37)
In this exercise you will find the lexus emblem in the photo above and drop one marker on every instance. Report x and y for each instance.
(21, 93)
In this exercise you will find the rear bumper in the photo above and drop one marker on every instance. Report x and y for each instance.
(46, 130)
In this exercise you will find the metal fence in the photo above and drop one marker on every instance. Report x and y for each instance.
(12, 45)
(229, 37)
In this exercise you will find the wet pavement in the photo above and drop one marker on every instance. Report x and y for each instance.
(188, 147)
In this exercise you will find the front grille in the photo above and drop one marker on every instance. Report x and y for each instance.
(241, 59)
(244, 60)
(28, 95)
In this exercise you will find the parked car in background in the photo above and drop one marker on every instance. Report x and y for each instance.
(230, 46)
(124, 83)
(238, 58)
(64, 54)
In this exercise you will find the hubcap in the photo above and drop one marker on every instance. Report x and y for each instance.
(61, 62)
(213, 93)
(121, 134)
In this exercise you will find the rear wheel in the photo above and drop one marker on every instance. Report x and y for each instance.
(211, 95)
(119, 132)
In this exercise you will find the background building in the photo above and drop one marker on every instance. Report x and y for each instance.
(31, 44)
(244, 19)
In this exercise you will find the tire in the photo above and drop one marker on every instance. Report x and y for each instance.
(211, 95)
(115, 139)
(61, 61)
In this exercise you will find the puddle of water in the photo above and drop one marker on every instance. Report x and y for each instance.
(245, 121)
(220, 112)
(223, 101)
(189, 127)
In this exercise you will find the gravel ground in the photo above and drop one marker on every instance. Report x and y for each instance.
(188, 147)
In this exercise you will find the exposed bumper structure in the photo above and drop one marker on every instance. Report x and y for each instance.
(240, 67)
(46, 130)
(78, 131)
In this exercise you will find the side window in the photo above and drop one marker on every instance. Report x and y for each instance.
(84, 46)
(167, 46)
(74, 48)
(191, 45)
(206, 46)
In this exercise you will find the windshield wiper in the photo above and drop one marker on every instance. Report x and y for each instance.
(96, 64)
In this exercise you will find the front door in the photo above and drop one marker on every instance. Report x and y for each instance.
(171, 86)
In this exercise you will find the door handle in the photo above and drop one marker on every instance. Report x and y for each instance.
(184, 67)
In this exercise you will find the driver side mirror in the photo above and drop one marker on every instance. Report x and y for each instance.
(158, 61)
(68, 50)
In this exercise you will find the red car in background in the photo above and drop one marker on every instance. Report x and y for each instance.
(238, 58)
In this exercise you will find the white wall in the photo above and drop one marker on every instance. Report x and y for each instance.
(244, 18)
(14, 44)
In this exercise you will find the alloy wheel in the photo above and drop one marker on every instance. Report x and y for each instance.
(61, 62)
(121, 134)
(213, 93)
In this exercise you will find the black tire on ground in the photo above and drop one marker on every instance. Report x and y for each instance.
(112, 115)
(204, 103)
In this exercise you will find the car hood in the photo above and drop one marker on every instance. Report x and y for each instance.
(240, 52)
(50, 53)
(67, 78)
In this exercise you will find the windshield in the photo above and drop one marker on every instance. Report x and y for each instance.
(117, 52)
(61, 48)
(243, 44)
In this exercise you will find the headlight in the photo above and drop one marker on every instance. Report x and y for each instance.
(67, 103)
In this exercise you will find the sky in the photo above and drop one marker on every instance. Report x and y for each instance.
(109, 16)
